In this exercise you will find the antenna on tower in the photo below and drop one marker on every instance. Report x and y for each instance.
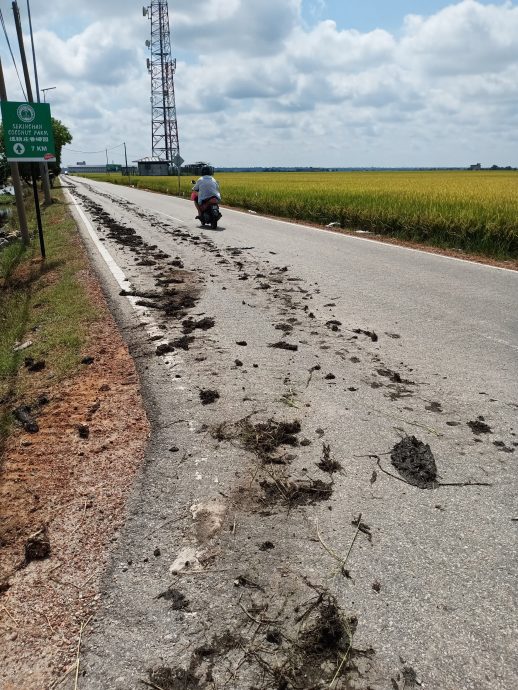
(164, 126)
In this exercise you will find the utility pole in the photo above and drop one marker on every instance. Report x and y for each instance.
(43, 168)
(126, 158)
(15, 176)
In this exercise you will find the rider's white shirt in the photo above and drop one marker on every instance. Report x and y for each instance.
(206, 187)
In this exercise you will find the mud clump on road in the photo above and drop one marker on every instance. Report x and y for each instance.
(208, 396)
(285, 327)
(330, 632)
(177, 304)
(434, 406)
(327, 464)
(178, 600)
(190, 324)
(281, 345)
(479, 426)
(415, 462)
(394, 376)
(183, 342)
(326, 638)
(373, 336)
(164, 349)
(262, 438)
(298, 493)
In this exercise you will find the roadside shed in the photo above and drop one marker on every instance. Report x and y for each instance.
(153, 166)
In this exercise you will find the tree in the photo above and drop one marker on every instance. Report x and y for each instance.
(62, 136)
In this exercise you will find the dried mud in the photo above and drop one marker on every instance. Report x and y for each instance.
(415, 462)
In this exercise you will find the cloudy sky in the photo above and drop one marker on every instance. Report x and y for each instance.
(287, 82)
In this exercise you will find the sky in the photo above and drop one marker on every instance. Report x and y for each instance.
(333, 83)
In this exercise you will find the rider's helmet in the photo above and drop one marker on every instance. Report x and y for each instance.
(206, 170)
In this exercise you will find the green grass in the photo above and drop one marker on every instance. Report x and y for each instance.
(45, 303)
(473, 211)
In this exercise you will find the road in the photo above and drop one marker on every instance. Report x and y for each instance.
(281, 534)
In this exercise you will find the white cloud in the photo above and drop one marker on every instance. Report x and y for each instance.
(256, 85)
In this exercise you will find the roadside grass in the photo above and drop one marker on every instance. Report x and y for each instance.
(471, 211)
(44, 302)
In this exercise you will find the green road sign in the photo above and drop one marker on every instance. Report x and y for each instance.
(28, 134)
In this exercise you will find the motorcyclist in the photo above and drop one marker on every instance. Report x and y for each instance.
(205, 188)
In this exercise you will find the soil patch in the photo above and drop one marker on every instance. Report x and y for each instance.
(415, 462)
(74, 490)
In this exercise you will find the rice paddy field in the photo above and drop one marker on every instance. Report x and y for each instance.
(475, 211)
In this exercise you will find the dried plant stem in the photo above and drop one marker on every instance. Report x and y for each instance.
(341, 561)
(81, 630)
(342, 663)
(405, 421)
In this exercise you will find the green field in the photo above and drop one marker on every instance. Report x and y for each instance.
(472, 211)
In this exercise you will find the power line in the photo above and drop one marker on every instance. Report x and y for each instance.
(100, 151)
(11, 51)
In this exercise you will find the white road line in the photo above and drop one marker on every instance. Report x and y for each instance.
(500, 341)
(114, 267)
(331, 232)
(152, 326)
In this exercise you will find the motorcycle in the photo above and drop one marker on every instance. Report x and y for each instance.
(209, 211)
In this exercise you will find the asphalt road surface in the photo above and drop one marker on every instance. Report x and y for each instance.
(329, 495)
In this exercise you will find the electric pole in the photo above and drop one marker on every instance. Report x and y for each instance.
(28, 86)
(161, 66)
(15, 176)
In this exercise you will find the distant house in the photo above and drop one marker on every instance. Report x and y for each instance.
(476, 166)
(196, 168)
(153, 166)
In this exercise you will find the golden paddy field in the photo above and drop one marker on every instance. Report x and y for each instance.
(474, 211)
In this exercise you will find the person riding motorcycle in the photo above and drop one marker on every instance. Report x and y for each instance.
(205, 189)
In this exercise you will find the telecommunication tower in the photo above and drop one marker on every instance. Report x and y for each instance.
(164, 126)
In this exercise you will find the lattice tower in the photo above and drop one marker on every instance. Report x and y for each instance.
(164, 126)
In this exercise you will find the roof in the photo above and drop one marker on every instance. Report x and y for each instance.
(151, 159)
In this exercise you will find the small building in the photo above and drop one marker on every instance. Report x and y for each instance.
(475, 166)
(196, 168)
(153, 166)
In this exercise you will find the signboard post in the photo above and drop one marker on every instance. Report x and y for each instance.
(28, 138)
(177, 161)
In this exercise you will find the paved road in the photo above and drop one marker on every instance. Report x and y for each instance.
(268, 598)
